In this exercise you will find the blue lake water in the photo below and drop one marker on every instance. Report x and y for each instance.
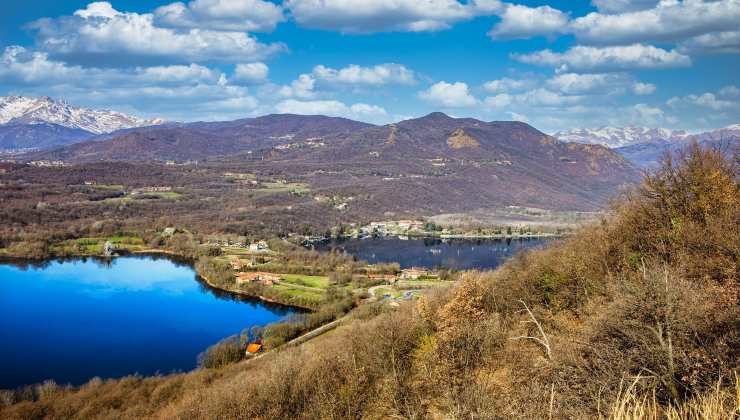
(73, 320)
(458, 254)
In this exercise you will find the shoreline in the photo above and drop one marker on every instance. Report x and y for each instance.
(156, 252)
(442, 236)
(249, 295)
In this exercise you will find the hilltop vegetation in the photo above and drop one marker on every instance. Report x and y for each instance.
(636, 316)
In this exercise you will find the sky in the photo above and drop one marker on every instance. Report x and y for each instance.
(555, 64)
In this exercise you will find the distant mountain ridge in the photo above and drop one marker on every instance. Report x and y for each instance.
(616, 137)
(644, 147)
(29, 110)
(435, 163)
(41, 123)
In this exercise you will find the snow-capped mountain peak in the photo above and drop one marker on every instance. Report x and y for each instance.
(614, 137)
(29, 110)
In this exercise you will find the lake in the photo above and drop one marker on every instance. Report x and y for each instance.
(458, 254)
(72, 320)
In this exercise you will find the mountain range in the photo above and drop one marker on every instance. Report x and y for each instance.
(645, 146)
(36, 123)
(435, 163)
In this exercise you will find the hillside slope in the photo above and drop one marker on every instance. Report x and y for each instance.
(440, 164)
(635, 317)
(39, 136)
(201, 140)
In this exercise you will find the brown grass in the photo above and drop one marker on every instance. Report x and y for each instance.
(640, 313)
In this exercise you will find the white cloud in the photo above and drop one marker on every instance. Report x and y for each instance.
(502, 100)
(381, 74)
(229, 15)
(706, 100)
(302, 87)
(535, 98)
(729, 90)
(449, 95)
(647, 116)
(621, 6)
(174, 92)
(571, 83)
(506, 84)
(251, 72)
(332, 108)
(643, 88)
(547, 98)
(100, 30)
(362, 16)
(519, 21)
(669, 20)
(718, 42)
(583, 58)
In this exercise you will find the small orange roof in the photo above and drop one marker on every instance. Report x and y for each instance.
(254, 348)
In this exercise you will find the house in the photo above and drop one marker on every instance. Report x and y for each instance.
(237, 264)
(253, 348)
(259, 246)
(390, 278)
(410, 224)
(414, 273)
(267, 279)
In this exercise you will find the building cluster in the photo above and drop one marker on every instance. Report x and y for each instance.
(413, 273)
(153, 189)
(46, 163)
(392, 227)
(257, 277)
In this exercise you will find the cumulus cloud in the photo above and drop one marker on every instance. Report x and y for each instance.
(705, 100)
(571, 83)
(173, 91)
(519, 21)
(718, 42)
(362, 16)
(251, 72)
(643, 88)
(502, 100)
(450, 95)
(507, 84)
(730, 90)
(332, 108)
(621, 6)
(302, 87)
(381, 74)
(598, 83)
(229, 15)
(669, 20)
(101, 31)
(584, 58)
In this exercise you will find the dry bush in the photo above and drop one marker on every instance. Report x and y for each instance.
(650, 292)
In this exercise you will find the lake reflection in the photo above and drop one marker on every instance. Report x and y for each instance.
(75, 319)
(458, 254)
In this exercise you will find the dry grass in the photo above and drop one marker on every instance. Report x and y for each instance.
(649, 293)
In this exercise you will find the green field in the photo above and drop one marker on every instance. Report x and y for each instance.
(318, 282)
(278, 187)
(291, 293)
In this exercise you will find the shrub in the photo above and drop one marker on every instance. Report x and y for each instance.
(227, 351)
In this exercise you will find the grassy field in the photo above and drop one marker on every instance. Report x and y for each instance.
(279, 187)
(95, 245)
(319, 282)
(289, 293)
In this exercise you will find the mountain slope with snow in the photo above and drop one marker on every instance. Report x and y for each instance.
(614, 137)
(27, 110)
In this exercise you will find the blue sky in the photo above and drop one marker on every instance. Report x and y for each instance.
(554, 64)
